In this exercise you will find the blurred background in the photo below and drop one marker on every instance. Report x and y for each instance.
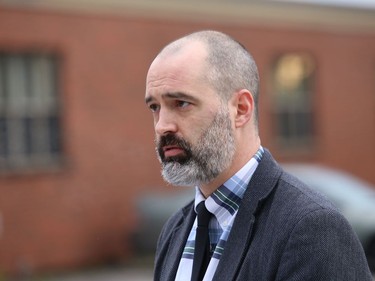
(77, 159)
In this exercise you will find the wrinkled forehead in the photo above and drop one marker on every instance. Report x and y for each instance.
(187, 61)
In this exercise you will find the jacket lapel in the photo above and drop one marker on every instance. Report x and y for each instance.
(261, 184)
(177, 244)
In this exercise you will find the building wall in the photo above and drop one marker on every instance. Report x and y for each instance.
(84, 212)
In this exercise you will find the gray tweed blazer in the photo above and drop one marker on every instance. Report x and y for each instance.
(283, 231)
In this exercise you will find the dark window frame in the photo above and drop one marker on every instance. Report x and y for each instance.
(293, 108)
(30, 112)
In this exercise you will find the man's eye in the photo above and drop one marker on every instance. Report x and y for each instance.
(154, 107)
(181, 103)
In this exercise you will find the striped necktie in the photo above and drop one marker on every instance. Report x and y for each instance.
(202, 244)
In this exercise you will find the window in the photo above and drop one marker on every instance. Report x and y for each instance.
(293, 81)
(29, 112)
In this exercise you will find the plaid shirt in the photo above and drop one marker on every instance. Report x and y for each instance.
(223, 204)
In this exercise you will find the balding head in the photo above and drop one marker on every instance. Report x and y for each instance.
(229, 66)
(201, 90)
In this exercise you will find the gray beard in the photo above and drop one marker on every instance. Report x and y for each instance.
(212, 154)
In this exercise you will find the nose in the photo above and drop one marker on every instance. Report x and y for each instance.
(165, 123)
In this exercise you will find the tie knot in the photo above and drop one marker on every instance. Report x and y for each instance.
(203, 215)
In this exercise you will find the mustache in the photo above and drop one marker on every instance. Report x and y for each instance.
(174, 140)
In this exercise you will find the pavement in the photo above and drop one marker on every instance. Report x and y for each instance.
(118, 274)
(138, 269)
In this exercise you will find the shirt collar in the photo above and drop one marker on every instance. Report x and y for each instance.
(225, 201)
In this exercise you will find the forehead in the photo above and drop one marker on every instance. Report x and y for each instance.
(178, 70)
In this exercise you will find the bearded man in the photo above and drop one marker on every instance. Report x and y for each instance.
(255, 221)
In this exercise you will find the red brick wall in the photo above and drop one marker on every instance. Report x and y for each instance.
(82, 213)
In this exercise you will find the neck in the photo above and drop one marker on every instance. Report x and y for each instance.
(242, 156)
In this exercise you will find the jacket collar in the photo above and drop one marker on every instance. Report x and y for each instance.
(177, 243)
(260, 187)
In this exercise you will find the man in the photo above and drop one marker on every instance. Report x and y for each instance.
(264, 224)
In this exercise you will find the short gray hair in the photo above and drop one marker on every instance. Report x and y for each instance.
(230, 66)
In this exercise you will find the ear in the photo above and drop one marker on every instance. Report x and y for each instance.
(245, 107)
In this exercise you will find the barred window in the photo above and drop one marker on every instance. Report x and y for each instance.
(293, 90)
(30, 133)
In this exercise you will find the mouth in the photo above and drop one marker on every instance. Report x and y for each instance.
(172, 150)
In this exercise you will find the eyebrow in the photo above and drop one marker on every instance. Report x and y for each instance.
(148, 99)
(174, 95)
